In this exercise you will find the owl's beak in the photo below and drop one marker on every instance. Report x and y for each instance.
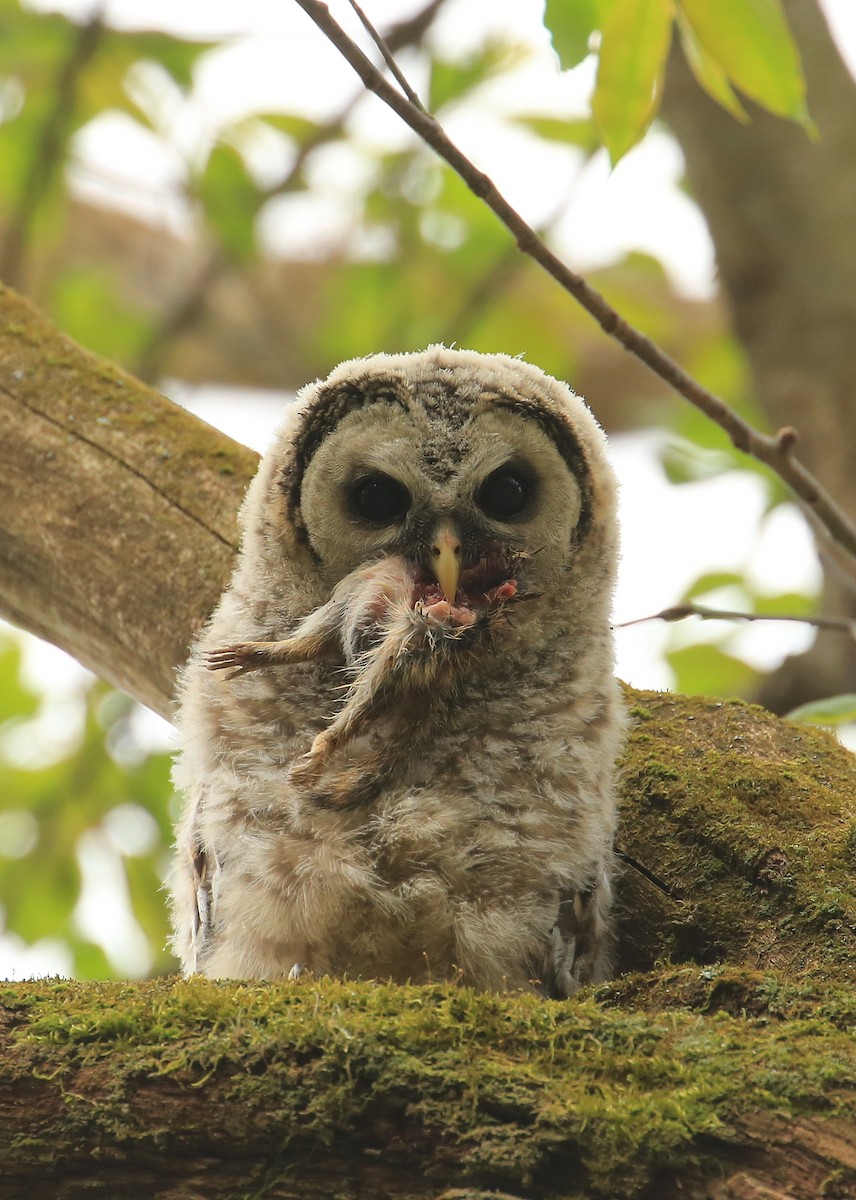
(446, 552)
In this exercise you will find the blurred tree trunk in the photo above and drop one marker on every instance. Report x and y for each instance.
(782, 213)
(118, 509)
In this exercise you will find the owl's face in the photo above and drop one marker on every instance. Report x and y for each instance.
(479, 509)
(484, 478)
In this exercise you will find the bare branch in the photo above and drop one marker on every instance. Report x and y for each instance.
(776, 451)
(386, 54)
(680, 612)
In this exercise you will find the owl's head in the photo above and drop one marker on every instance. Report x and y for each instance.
(485, 475)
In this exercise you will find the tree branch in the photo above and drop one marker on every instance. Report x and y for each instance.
(323, 1088)
(775, 451)
(679, 612)
(118, 508)
(387, 55)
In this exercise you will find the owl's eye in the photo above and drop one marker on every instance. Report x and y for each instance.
(504, 493)
(379, 498)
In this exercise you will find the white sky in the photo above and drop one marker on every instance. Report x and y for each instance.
(276, 59)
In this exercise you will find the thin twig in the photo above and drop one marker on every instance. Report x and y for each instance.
(679, 612)
(777, 451)
(386, 54)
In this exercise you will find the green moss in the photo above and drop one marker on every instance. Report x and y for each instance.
(640, 712)
(513, 1085)
(747, 823)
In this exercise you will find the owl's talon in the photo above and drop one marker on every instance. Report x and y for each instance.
(296, 971)
(305, 770)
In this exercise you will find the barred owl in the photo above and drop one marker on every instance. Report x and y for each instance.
(399, 728)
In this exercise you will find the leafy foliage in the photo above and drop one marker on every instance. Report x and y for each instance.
(833, 710)
(743, 44)
(99, 791)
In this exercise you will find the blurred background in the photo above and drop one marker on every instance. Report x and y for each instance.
(204, 194)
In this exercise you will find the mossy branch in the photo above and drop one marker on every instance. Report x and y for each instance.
(117, 508)
(330, 1089)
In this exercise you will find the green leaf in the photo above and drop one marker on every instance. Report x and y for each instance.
(569, 132)
(231, 200)
(707, 670)
(634, 43)
(90, 961)
(712, 581)
(686, 462)
(16, 700)
(451, 80)
(834, 710)
(86, 303)
(176, 55)
(708, 72)
(571, 24)
(31, 44)
(784, 604)
(299, 128)
(751, 43)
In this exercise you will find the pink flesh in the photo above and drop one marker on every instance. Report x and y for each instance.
(467, 605)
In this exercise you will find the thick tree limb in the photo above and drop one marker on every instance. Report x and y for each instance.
(321, 1089)
(117, 508)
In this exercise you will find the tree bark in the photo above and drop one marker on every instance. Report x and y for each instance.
(118, 526)
(117, 531)
(329, 1089)
(779, 206)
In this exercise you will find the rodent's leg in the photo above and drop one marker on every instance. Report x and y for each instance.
(376, 669)
(358, 603)
(315, 637)
(250, 656)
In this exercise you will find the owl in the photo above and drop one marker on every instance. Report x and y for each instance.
(399, 728)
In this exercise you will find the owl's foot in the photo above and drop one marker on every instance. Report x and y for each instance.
(580, 940)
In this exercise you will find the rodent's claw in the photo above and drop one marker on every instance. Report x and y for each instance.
(237, 659)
